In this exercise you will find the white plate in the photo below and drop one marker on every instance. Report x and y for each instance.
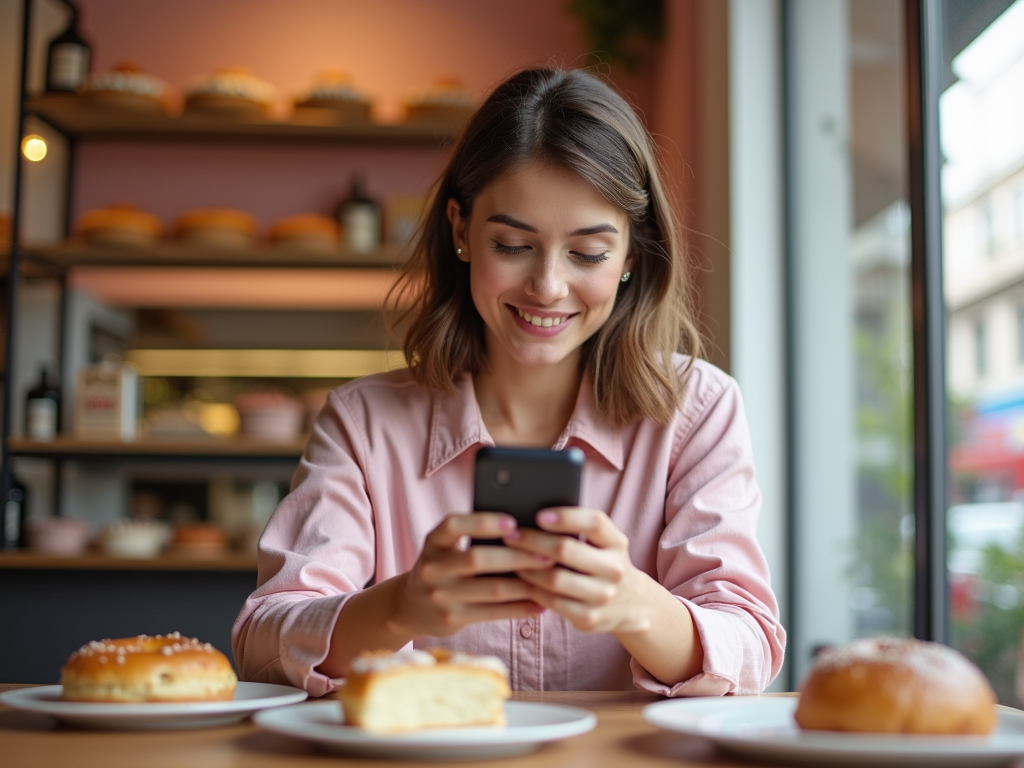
(529, 726)
(764, 728)
(249, 697)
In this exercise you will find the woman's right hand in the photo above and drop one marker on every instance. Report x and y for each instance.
(442, 593)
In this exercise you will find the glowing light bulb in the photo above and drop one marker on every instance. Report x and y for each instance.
(33, 147)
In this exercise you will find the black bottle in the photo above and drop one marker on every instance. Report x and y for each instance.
(42, 408)
(360, 219)
(68, 59)
(14, 512)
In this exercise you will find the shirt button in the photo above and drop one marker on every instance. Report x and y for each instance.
(526, 629)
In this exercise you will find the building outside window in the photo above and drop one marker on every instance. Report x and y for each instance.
(980, 349)
(1018, 215)
(989, 231)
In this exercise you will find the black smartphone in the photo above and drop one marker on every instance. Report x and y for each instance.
(522, 481)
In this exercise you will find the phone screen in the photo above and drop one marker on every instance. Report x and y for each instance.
(522, 481)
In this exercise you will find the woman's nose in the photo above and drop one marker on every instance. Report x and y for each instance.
(547, 281)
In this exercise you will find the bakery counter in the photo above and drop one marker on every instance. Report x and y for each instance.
(52, 605)
(621, 738)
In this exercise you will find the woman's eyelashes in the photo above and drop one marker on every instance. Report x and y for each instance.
(589, 258)
(512, 249)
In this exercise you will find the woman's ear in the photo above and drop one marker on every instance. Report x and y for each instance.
(459, 227)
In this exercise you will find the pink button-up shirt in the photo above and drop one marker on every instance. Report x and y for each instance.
(389, 459)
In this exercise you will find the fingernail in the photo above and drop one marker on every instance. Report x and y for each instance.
(507, 524)
(548, 517)
(513, 536)
(543, 559)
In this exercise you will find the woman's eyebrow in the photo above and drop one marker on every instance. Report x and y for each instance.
(596, 229)
(504, 218)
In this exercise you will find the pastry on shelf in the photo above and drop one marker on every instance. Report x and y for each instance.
(332, 98)
(270, 416)
(306, 231)
(135, 538)
(120, 224)
(199, 540)
(129, 88)
(233, 91)
(62, 536)
(446, 102)
(217, 228)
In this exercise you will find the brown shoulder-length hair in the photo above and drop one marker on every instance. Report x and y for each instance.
(575, 120)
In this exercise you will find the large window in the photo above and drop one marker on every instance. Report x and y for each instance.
(982, 129)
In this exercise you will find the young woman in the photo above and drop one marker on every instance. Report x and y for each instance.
(549, 302)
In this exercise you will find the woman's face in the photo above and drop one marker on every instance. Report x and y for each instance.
(546, 254)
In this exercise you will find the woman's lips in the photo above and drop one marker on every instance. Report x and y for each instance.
(540, 324)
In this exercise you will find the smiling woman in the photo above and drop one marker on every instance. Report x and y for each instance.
(575, 143)
(546, 253)
(546, 301)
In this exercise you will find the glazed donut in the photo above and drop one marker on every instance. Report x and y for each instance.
(896, 685)
(148, 669)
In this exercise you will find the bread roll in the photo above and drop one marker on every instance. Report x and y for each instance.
(333, 98)
(148, 669)
(127, 87)
(896, 685)
(309, 231)
(199, 540)
(120, 225)
(217, 227)
(446, 101)
(230, 91)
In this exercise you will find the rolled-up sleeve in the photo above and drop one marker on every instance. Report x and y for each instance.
(708, 556)
(315, 553)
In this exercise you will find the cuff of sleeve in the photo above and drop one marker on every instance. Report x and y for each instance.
(306, 639)
(722, 648)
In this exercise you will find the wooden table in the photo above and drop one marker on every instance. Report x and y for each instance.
(621, 740)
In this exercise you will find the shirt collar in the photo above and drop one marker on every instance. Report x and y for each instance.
(456, 425)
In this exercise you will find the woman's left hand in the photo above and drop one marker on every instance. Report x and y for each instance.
(603, 591)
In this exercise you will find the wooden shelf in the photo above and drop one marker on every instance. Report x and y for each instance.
(147, 449)
(173, 254)
(74, 116)
(96, 561)
(234, 288)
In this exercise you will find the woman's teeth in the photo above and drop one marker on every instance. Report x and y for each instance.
(543, 322)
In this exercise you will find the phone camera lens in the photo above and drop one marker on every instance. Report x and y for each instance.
(503, 477)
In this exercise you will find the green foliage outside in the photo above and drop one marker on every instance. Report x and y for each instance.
(990, 636)
(882, 557)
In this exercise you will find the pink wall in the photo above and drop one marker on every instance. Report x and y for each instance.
(391, 48)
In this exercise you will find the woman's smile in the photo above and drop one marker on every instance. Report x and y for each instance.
(541, 322)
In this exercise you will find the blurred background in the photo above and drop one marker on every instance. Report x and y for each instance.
(213, 198)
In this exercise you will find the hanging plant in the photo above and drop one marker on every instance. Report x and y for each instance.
(619, 30)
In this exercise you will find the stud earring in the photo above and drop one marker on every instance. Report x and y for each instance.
(625, 277)
(458, 251)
